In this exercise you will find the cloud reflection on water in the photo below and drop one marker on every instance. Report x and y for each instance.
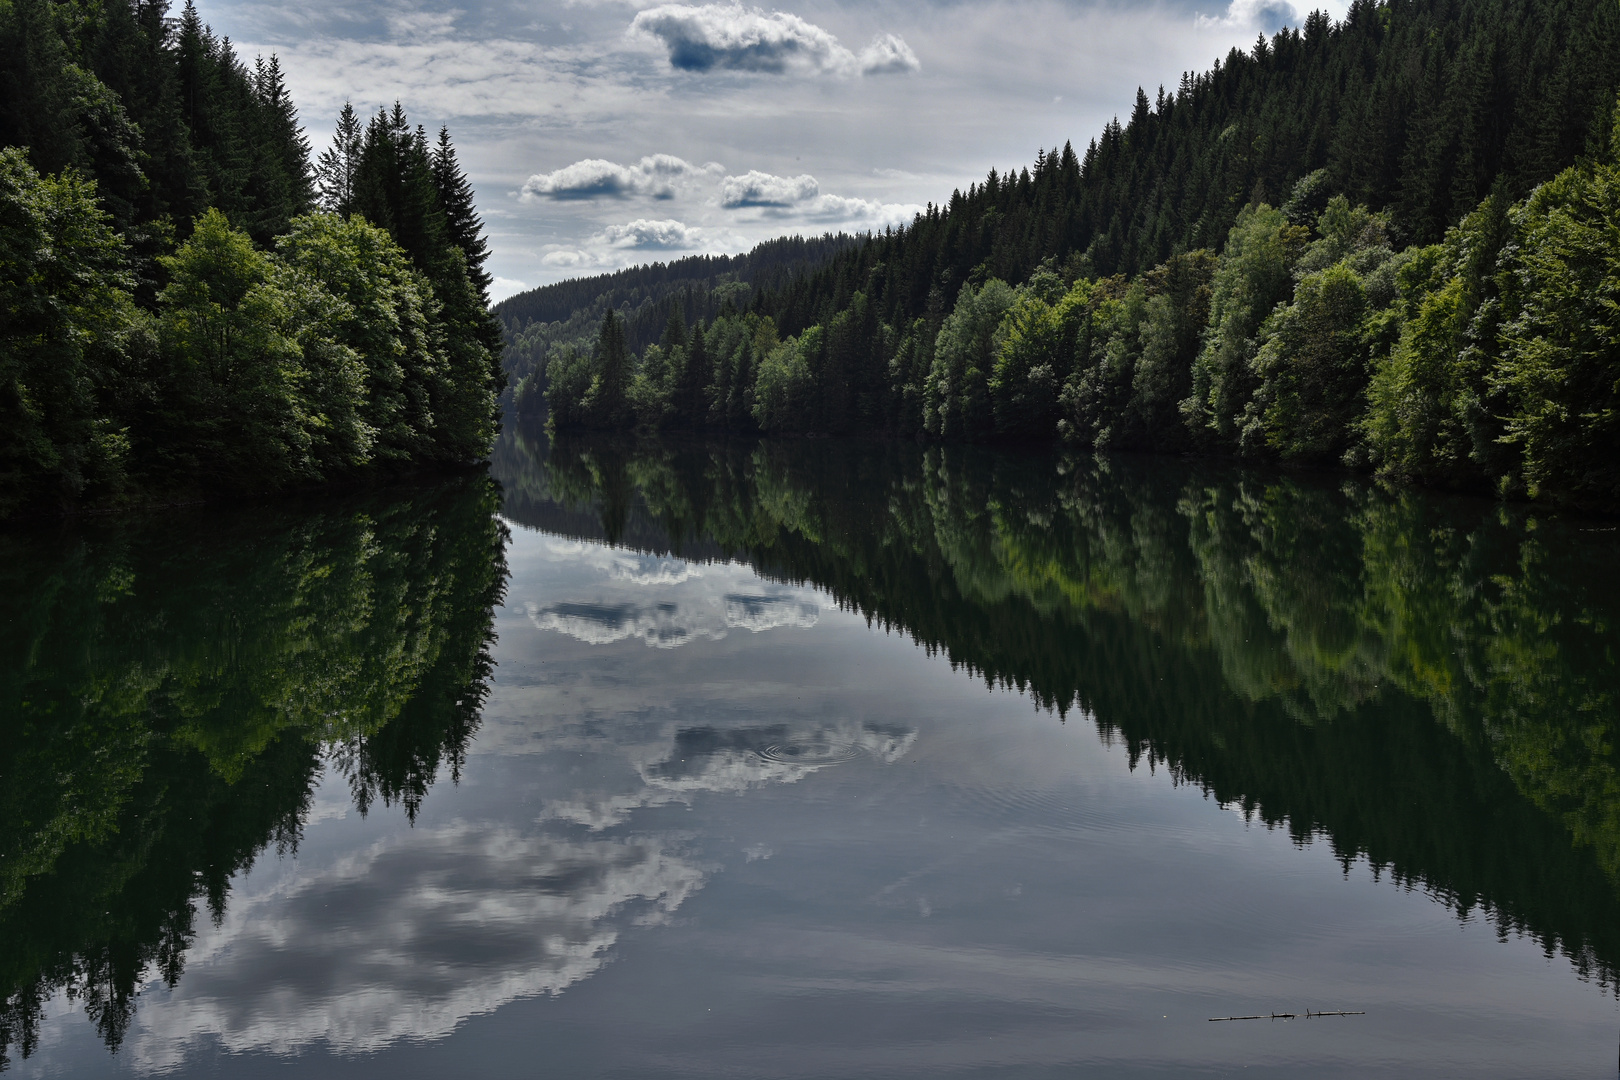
(409, 936)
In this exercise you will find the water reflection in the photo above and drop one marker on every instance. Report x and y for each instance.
(409, 937)
(174, 690)
(1426, 682)
(691, 747)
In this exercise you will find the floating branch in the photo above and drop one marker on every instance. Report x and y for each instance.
(1308, 1014)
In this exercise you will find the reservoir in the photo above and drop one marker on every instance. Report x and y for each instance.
(813, 758)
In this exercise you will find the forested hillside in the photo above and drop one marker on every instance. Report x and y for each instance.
(1387, 242)
(698, 288)
(188, 306)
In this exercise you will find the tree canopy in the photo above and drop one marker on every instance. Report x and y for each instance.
(188, 307)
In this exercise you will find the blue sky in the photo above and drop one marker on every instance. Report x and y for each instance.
(604, 133)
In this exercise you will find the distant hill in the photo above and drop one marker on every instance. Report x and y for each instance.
(699, 287)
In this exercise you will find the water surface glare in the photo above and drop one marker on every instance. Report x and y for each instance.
(813, 760)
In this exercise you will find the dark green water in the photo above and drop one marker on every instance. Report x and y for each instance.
(813, 759)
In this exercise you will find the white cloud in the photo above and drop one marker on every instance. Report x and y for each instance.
(633, 241)
(1267, 15)
(800, 196)
(656, 175)
(641, 233)
(669, 625)
(503, 287)
(736, 38)
(888, 55)
(755, 188)
(861, 212)
(567, 258)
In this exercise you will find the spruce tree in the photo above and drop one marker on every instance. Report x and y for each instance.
(338, 165)
(462, 224)
(607, 401)
(691, 405)
(282, 151)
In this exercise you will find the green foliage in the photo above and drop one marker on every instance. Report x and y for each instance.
(1096, 398)
(1560, 362)
(67, 321)
(134, 369)
(1451, 363)
(1311, 370)
(230, 408)
(785, 387)
(1038, 344)
(569, 378)
(594, 391)
(1431, 415)
(543, 322)
(956, 397)
(1255, 274)
(378, 412)
(1177, 312)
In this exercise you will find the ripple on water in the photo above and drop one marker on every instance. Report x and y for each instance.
(812, 752)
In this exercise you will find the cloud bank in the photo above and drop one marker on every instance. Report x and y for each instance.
(800, 196)
(731, 37)
(623, 244)
(655, 176)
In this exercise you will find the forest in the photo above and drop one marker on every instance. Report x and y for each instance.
(699, 288)
(1387, 243)
(190, 306)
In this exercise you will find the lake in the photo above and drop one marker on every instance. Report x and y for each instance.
(814, 758)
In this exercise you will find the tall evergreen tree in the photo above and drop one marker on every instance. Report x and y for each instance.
(693, 381)
(462, 224)
(282, 176)
(338, 165)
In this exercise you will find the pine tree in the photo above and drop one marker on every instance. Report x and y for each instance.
(691, 406)
(394, 188)
(462, 224)
(607, 403)
(338, 165)
(282, 151)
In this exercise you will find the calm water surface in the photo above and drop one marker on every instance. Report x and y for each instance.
(813, 759)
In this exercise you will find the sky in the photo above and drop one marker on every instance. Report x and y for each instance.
(600, 134)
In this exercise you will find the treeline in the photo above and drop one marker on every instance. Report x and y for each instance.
(763, 267)
(565, 317)
(176, 690)
(1424, 682)
(188, 305)
(1235, 272)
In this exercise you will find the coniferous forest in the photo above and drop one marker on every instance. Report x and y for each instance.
(1390, 243)
(190, 306)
